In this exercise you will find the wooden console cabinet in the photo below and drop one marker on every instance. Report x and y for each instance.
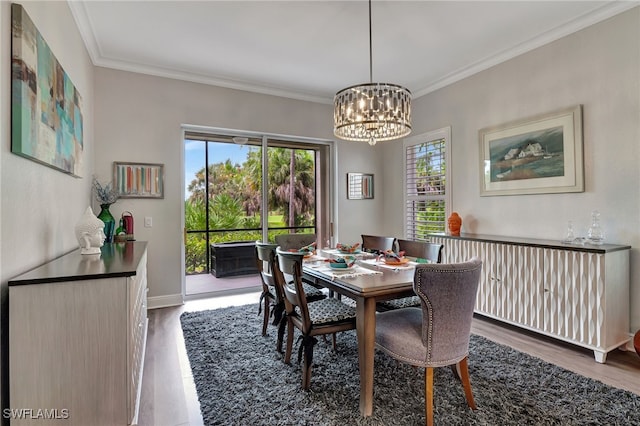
(77, 334)
(576, 293)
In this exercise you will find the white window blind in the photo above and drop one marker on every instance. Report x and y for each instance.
(426, 186)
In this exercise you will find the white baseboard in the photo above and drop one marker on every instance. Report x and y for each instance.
(164, 301)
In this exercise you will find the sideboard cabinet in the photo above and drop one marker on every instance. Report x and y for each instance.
(77, 333)
(576, 293)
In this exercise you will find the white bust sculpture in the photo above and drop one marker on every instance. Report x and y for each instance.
(90, 233)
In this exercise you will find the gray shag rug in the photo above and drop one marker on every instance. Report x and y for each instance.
(242, 380)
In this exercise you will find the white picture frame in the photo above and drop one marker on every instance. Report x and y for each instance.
(536, 155)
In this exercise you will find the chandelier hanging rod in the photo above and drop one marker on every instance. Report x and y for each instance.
(371, 112)
(370, 48)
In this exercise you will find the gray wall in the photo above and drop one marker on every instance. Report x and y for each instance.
(40, 206)
(598, 67)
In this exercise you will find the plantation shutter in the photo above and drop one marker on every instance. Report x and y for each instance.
(426, 189)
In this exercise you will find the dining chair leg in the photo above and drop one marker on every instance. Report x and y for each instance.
(287, 356)
(265, 320)
(306, 371)
(466, 383)
(281, 328)
(428, 395)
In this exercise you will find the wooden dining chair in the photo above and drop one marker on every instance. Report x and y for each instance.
(271, 293)
(430, 252)
(437, 333)
(294, 241)
(272, 297)
(326, 316)
(377, 244)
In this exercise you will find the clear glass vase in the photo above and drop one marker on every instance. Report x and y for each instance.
(595, 234)
(109, 222)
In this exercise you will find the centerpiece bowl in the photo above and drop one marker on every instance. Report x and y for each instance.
(348, 248)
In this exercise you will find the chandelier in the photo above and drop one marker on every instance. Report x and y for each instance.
(372, 112)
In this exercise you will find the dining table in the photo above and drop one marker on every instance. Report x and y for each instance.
(369, 281)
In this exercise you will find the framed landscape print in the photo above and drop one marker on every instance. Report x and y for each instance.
(138, 180)
(541, 154)
(46, 114)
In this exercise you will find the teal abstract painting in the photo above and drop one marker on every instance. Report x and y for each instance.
(46, 114)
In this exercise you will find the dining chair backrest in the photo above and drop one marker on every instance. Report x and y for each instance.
(448, 296)
(374, 243)
(421, 249)
(294, 241)
(290, 268)
(266, 257)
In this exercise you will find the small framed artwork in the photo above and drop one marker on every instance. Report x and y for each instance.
(138, 180)
(359, 186)
(537, 155)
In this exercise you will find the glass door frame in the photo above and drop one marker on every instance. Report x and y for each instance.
(325, 177)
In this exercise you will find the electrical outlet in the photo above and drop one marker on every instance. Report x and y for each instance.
(148, 221)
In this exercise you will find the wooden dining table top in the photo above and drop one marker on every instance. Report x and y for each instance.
(387, 280)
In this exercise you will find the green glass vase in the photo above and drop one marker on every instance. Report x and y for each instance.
(109, 222)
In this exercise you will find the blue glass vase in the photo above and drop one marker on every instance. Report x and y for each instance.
(109, 222)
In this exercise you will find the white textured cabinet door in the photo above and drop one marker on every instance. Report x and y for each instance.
(585, 299)
(515, 273)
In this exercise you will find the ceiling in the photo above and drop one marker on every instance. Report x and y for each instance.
(309, 50)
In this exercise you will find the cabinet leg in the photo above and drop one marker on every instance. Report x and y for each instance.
(600, 356)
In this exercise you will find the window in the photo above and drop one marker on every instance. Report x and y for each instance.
(426, 193)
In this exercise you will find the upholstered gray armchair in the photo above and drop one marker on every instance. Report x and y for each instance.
(436, 334)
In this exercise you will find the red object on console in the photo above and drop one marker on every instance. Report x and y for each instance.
(127, 219)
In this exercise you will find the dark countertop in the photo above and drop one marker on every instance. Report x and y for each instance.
(116, 260)
(534, 242)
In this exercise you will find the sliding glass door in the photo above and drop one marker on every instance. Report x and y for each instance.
(290, 189)
(235, 193)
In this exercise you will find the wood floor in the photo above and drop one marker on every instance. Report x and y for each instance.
(169, 397)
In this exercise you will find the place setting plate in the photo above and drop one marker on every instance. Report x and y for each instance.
(343, 270)
(392, 262)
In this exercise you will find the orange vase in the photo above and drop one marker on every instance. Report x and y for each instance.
(455, 223)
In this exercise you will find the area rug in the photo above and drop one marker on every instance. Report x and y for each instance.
(241, 380)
